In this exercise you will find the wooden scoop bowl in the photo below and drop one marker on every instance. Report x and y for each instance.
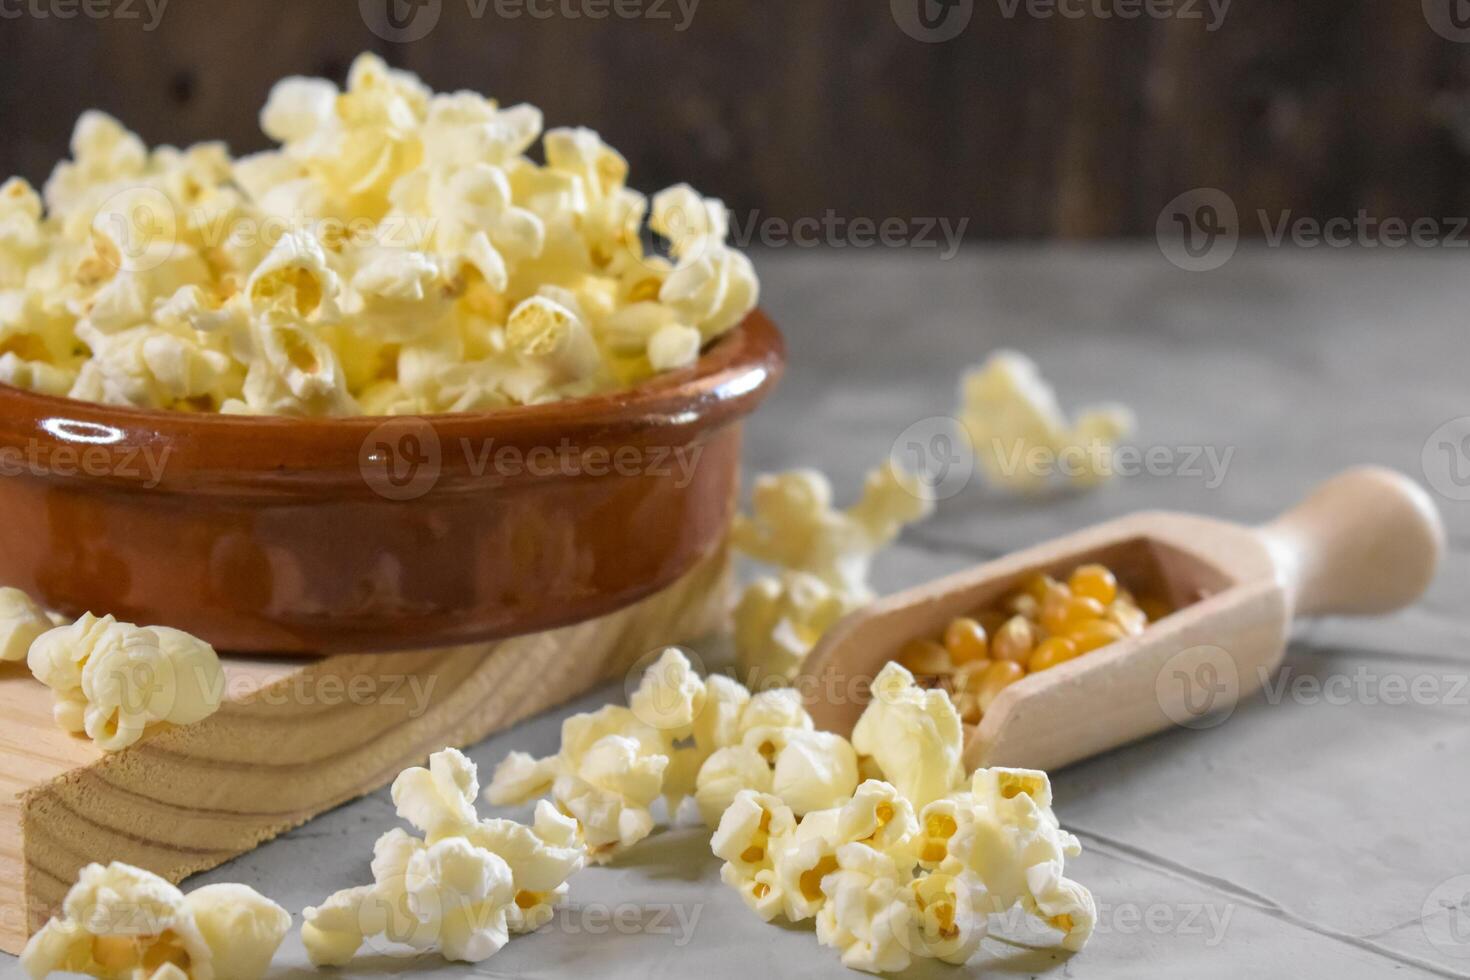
(1366, 541)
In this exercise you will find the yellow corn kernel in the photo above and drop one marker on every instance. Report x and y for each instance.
(925, 658)
(966, 641)
(1044, 587)
(1015, 641)
(1052, 651)
(1098, 633)
(1094, 582)
(1061, 617)
(1023, 604)
(1127, 617)
(1000, 675)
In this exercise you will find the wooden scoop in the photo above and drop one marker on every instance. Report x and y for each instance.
(1367, 541)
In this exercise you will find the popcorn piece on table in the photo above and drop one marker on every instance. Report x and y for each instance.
(825, 555)
(1008, 410)
(915, 736)
(112, 680)
(120, 921)
(463, 888)
(779, 620)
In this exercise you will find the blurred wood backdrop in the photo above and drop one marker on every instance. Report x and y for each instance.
(1027, 127)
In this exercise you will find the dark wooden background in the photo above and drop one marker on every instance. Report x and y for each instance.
(1027, 127)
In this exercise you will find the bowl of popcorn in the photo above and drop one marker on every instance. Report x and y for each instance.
(391, 384)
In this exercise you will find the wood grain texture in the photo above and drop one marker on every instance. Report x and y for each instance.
(291, 741)
(1027, 126)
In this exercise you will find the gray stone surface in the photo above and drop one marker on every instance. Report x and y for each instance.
(1306, 835)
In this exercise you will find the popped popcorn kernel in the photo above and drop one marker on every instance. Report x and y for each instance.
(1008, 411)
(824, 555)
(113, 680)
(121, 921)
(464, 888)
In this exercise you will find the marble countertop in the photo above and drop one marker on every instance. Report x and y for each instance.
(1321, 830)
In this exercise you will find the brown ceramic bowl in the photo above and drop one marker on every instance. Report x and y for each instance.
(291, 536)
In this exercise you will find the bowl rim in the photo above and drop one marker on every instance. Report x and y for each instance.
(730, 378)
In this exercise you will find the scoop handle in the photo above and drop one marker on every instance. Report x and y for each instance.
(1366, 541)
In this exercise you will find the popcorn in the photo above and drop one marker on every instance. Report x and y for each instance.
(779, 620)
(673, 347)
(1009, 410)
(825, 555)
(814, 771)
(915, 736)
(112, 680)
(461, 893)
(886, 886)
(864, 915)
(242, 929)
(748, 832)
(411, 220)
(21, 622)
(1012, 842)
(464, 888)
(121, 921)
(724, 775)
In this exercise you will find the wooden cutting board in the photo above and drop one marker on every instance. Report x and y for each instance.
(292, 740)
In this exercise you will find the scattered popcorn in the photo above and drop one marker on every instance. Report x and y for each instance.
(779, 620)
(427, 263)
(825, 555)
(904, 864)
(463, 888)
(885, 886)
(914, 736)
(21, 622)
(120, 921)
(112, 680)
(814, 771)
(1010, 412)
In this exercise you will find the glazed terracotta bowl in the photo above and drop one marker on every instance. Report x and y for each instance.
(300, 536)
